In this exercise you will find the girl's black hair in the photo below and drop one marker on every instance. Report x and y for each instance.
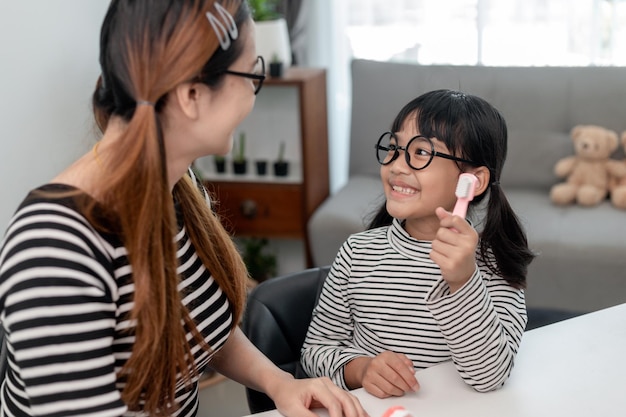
(473, 129)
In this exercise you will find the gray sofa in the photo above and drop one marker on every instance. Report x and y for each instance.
(581, 265)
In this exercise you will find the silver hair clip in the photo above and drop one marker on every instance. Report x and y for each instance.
(222, 31)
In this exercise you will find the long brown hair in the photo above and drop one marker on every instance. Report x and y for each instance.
(147, 48)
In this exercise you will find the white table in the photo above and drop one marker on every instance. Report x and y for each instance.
(575, 368)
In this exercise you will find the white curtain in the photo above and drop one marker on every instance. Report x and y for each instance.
(490, 32)
(325, 45)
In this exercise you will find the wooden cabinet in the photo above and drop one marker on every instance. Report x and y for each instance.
(292, 109)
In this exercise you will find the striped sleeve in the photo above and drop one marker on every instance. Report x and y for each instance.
(327, 347)
(482, 324)
(58, 303)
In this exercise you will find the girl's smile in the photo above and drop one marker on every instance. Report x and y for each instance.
(401, 189)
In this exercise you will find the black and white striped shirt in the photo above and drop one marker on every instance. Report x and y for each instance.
(384, 293)
(65, 290)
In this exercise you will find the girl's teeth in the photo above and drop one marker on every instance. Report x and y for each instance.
(403, 190)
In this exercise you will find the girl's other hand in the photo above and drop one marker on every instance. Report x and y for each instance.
(388, 374)
(454, 249)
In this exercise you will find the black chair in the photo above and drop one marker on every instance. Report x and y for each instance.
(539, 317)
(276, 320)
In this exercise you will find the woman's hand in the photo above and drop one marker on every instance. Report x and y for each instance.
(295, 398)
(454, 249)
(389, 374)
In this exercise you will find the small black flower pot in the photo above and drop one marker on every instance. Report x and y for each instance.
(281, 169)
(261, 168)
(240, 167)
(220, 166)
(276, 69)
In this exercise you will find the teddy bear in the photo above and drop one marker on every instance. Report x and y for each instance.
(587, 172)
(617, 179)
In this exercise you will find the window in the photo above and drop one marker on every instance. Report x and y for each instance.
(489, 32)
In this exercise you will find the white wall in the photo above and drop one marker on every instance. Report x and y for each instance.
(48, 68)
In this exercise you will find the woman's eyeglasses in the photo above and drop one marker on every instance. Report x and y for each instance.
(419, 152)
(257, 77)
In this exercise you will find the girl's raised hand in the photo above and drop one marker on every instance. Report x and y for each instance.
(454, 249)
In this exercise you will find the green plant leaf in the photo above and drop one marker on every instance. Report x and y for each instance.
(239, 152)
(260, 263)
(281, 151)
(264, 10)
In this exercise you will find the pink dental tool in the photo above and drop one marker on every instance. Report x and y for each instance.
(465, 189)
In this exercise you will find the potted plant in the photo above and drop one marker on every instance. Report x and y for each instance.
(261, 167)
(276, 66)
(240, 164)
(281, 166)
(261, 264)
(220, 163)
(272, 35)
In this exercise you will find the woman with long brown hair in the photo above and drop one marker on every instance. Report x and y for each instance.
(118, 284)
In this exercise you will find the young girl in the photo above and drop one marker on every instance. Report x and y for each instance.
(118, 284)
(422, 286)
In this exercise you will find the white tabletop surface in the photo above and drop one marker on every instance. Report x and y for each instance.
(573, 368)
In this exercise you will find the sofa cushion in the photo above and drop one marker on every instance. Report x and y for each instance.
(581, 252)
(531, 158)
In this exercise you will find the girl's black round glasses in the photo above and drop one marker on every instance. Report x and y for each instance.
(419, 152)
